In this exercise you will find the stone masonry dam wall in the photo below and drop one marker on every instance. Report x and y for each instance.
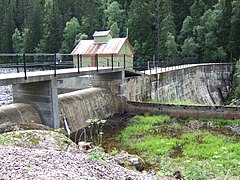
(208, 84)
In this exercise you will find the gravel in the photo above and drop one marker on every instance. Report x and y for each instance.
(39, 164)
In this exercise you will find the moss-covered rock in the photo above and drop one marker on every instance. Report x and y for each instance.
(39, 139)
(20, 126)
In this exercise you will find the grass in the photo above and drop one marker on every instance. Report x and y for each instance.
(140, 125)
(198, 154)
(220, 122)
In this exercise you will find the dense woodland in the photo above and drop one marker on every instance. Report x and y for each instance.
(168, 30)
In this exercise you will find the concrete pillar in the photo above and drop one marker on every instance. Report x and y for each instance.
(43, 96)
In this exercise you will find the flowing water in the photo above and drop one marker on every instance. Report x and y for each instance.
(6, 91)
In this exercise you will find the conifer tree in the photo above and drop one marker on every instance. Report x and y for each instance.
(70, 32)
(92, 17)
(172, 53)
(189, 48)
(17, 41)
(22, 12)
(141, 29)
(52, 36)
(115, 30)
(115, 18)
(7, 28)
(34, 30)
(167, 26)
(197, 10)
(235, 31)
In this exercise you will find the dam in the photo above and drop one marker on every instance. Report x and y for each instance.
(112, 93)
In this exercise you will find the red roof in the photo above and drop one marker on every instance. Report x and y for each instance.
(113, 46)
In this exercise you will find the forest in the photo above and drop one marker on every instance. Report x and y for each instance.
(167, 30)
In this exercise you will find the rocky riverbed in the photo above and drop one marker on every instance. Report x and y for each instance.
(24, 163)
(49, 155)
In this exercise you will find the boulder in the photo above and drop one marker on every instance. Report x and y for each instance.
(37, 139)
(131, 161)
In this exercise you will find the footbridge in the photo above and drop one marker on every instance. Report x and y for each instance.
(40, 88)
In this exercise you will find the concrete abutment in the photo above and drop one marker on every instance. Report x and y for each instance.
(43, 96)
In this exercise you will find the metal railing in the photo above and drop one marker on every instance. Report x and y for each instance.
(53, 61)
(26, 62)
(170, 64)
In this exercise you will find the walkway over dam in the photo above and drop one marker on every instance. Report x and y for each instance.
(40, 88)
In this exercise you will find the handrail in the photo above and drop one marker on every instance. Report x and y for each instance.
(25, 60)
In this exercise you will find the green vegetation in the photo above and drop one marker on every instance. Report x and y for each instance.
(173, 31)
(95, 129)
(169, 145)
(140, 125)
(216, 122)
(97, 154)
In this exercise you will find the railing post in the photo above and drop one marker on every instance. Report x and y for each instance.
(78, 63)
(112, 60)
(144, 67)
(124, 61)
(24, 66)
(55, 65)
(17, 63)
(150, 68)
(156, 67)
(81, 61)
(96, 59)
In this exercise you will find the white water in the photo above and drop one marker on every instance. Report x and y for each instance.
(6, 91)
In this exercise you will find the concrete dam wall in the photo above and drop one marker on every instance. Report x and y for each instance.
(19, 112)
(77, 107)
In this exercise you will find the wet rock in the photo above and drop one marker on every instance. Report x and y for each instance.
(130, 161)
(85, 145)
(193, 125)
(177, 174)
(235, 130)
